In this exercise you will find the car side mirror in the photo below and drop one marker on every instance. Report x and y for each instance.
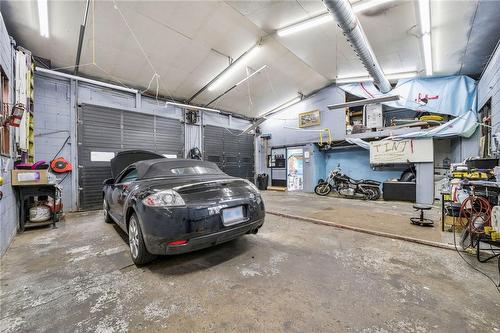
(109, 181)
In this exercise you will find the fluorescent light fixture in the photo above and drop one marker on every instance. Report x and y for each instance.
(249, 76)
(376, 100)
(188, 106)
(326, 17)
(353, 79)
(402, 75)
(282, 106)
(424, 9)
(392, 76)
(367, 4)
(241, 61)
(306, 24)
(43, 18)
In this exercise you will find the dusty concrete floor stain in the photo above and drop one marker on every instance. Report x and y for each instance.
(292, 277)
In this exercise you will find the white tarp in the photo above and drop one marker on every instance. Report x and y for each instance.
(452, 95)
(463, 126)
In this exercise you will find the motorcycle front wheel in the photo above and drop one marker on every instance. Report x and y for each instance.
(322, 189)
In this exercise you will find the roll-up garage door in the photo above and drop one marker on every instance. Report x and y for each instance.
(231, 150)
(102, 132)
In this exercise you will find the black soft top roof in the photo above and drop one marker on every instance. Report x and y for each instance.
(161, 167)
(124, 158)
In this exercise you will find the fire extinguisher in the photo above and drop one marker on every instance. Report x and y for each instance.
(16, 115)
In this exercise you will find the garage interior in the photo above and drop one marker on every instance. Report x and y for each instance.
(371, 129)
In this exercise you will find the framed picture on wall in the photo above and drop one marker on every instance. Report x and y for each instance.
(311, 118)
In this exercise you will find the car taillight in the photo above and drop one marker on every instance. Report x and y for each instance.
(178, 242)
(167, 198)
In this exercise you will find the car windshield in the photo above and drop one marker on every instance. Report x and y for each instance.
(193, 170)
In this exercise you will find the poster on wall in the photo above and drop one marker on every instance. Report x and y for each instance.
(401, 151)
(295, 169)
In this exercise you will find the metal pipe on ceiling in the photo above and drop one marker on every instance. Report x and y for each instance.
(80, 38)
(82, 79)
(348, 22)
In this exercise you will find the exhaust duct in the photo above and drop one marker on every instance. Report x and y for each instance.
(348, 22)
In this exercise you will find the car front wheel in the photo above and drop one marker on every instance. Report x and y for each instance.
(138, 251)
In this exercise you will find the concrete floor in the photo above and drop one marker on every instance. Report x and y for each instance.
(292, 276)
(390, 217)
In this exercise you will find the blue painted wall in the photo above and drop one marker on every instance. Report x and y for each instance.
(356, 164)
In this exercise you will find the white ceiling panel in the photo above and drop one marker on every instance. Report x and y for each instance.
(189, 42)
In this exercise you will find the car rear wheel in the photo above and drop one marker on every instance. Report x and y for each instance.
(105, 209)
(138, 251)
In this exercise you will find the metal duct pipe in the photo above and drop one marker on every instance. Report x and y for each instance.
(347, 20)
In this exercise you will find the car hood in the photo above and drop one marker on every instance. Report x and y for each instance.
(124, 158)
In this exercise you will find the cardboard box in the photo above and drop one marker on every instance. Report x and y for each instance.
(29, 177)
(449, 221)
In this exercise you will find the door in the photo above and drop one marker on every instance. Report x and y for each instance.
(232, 150)
(295, 169)
(277, 164)
(120, 192)
(103, 132)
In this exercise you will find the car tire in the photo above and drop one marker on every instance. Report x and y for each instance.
(138, 252)
(105, 208)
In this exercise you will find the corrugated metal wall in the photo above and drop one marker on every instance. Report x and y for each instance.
(231, 150)
(102, 129)
(489, 87)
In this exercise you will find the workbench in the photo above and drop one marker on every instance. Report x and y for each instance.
(25, 197)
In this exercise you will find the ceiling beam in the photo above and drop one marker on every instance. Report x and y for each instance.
(205, 87)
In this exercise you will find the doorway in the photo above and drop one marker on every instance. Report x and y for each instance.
(295, 169)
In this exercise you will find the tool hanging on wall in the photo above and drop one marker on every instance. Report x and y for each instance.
(60, 165)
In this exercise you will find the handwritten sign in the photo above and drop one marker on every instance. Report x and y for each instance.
(401, 151)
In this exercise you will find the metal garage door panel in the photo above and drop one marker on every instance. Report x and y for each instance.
(102, 129)
(99, 129)
(169, 136)
(90, 180)
(231, 150)
(213, 144)
(138, 131)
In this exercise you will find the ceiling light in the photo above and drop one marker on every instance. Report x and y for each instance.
(367, 4)
(188, 106)
(392, 76)
(361, 102)
(303, 25)
(424, 9)
(403, 75)
(43, 18)
(326, 17)
(229, 71)
(282, 106)
(353, 79)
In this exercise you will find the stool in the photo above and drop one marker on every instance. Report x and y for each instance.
(421, 220)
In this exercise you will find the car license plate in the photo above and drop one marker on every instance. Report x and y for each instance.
(232, 215)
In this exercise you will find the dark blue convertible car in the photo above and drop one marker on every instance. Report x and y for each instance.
(170, 206)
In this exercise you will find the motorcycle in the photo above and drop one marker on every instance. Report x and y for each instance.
(347, 187)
